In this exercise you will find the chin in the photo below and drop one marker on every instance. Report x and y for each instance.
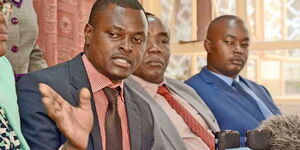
(119, 76)
(2, 53)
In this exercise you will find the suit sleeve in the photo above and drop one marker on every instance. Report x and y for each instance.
(36, 59)
(39, 130)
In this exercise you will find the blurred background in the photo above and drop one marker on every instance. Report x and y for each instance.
(274, 27)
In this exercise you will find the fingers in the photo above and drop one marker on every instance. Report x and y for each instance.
(85, 99)
(52, 111)
(47, 91)
(49, 101)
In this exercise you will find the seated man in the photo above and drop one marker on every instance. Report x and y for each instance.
(237, 103)
(115, 40)
(184, 120)
(11, 135)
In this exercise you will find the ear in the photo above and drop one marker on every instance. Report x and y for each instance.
(88, 33)
(207, 45)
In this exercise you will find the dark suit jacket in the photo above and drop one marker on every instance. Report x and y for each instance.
(228, 105)
(166, 134)
(67, 79)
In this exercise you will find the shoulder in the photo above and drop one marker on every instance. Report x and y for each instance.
(252, 83)
(49, 74)
(5, 66)
(200, 79)
(179, 85)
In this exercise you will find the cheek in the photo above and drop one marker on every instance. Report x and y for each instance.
(138, 57)
(167, 58)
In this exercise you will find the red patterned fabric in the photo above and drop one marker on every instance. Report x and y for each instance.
(194, 125)
(61, 25)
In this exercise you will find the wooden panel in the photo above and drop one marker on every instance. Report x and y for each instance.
(197, 46)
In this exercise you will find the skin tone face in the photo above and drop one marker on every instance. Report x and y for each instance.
(116, 42)
(227, 47)
(156, 57)
(3, 33)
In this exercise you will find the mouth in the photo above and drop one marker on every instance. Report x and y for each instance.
(3, 37)
(237, 62)
(155, 63)
(121, 61)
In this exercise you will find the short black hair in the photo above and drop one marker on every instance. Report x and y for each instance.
(100, 5)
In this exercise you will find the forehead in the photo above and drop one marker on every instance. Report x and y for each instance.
(125, 18)
(232, 28)
(156, 26)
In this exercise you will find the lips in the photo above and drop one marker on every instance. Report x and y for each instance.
(154, 62)
(3, 37)
(3, 33)
(237, 61)
(121, 61)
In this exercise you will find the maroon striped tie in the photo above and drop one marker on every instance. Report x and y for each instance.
(194, 125)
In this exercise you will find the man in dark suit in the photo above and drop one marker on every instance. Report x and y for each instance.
(115, 41)
(237, 103)
(172, 129)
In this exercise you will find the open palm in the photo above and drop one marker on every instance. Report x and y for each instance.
(74, 122)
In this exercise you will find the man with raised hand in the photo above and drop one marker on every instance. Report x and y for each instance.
(115, 41)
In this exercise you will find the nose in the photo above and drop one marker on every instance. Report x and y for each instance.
(238, 49)
(153, 47)
(125, 46)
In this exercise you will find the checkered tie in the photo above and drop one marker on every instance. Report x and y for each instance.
(113, 129)
(194, 125)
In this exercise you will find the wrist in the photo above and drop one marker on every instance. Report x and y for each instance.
(69, 146)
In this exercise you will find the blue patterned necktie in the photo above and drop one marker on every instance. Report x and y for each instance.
(246, 95)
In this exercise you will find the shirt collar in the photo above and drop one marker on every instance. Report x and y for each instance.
(97, 80)
(226, 79)
(151, 88)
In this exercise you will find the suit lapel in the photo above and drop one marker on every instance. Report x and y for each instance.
(164, 122)
(79, 79)
(201, 109)
(134, 121)
(261, 95)
(236, 97)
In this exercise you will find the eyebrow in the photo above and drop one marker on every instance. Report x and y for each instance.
(121, 29)
(140, 33)
(164, 34)
(116, 28)
(234, 37)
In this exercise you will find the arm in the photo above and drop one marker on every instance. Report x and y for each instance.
(42, 130)
(38, 129)
(36, 60)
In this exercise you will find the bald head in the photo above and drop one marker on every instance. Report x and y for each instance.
(227, 44)
(221, 23)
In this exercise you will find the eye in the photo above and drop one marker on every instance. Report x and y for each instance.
(113, 35)
(165, 41)
(245, 45)
(138, 40)
(228, 42)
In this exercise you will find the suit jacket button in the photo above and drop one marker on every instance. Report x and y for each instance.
(14, 49)
(14, 20)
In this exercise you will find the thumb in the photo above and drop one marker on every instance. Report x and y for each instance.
(85, 99)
